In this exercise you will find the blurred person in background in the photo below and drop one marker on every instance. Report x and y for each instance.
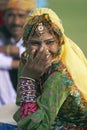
(14, 15)
(2, 7)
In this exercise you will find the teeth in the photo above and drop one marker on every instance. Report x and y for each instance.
(47, 51)
(48, 56)
(52, 60)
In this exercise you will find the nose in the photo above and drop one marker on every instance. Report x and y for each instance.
(43, 44)
(16, 20)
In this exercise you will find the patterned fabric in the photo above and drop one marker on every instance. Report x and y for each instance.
(27, 109)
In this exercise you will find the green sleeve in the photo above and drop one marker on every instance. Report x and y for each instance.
(54, 94)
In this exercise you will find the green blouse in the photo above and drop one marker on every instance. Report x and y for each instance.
(58, 104)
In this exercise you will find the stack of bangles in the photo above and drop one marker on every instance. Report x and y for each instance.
(27, 87)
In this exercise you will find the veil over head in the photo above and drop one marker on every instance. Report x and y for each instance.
(71, 55)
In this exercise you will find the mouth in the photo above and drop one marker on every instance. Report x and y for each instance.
(16, 27)
(48, 55)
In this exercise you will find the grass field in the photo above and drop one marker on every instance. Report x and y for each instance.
(74, 18)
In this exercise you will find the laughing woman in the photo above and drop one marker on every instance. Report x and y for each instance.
(52, 87)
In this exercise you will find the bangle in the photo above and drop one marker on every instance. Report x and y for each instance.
(27, 90)
(23, 77)
(8, 50)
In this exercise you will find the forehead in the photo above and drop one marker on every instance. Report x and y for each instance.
(15, 11)
(43, 36)
(42, 32)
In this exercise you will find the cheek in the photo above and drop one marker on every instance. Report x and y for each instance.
(54, 49)
(9, 22)
(22, 20)
(10, 19)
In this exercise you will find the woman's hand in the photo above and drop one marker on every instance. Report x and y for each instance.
(38, 63)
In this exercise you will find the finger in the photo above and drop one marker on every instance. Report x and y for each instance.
(41, 56)
(39, 52)
(31, 57)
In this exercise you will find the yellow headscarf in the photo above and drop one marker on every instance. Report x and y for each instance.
(71, 54)
(21, 4)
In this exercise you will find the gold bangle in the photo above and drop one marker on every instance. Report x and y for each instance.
(8, 50)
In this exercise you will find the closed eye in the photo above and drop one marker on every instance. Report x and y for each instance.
(48, 42)
(51, 41)
(33, 42)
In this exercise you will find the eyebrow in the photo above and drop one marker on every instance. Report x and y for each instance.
(51, 39)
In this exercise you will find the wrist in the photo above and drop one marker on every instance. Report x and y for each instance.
(27, 89)
(28, 78)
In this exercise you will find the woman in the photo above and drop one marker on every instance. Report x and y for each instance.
(52, 87)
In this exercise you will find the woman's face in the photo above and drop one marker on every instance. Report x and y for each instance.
(45, 40)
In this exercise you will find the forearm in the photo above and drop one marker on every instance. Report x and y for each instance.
(28, 97)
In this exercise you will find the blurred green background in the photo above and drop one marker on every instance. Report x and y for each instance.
(73, 14)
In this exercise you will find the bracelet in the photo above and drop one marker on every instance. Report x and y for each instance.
(23, 77)
(8, 50)
(27, 90)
